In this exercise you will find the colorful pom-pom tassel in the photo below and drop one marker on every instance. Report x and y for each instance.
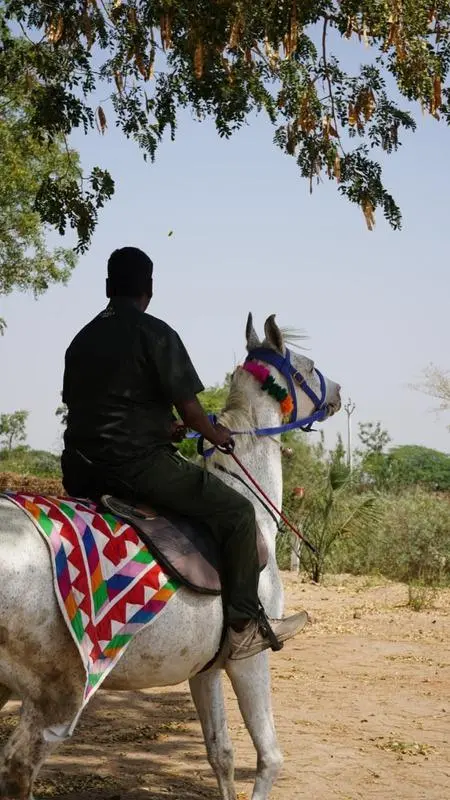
(269, 385)
(287, 406)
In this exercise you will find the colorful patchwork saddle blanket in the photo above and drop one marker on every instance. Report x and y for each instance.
(108, 585)
(116, 567)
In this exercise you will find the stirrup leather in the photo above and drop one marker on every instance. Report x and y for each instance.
(266, 630)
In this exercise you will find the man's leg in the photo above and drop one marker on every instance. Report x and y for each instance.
(176, 484)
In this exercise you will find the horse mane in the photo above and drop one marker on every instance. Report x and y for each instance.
(237, 413)
(293, 336)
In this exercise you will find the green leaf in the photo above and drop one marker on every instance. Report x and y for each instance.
(226, 61)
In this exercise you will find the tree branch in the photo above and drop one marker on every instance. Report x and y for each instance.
(328, 80)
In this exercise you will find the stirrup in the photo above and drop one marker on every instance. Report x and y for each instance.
(267, 631)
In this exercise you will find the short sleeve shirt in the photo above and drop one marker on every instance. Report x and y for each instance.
(124, 372)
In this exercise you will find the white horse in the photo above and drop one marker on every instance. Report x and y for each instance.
(38, 658)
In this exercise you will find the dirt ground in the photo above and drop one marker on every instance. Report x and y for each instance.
(362, 705)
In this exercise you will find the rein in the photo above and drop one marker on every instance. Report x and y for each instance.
(282, 516)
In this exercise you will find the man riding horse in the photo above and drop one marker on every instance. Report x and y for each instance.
(125, 372)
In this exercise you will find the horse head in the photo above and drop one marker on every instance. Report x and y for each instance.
(313, 394)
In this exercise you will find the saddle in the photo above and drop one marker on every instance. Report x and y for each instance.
(184, 548)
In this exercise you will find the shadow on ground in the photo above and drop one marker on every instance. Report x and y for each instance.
(155, 752)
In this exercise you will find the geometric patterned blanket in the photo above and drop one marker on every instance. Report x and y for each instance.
(107, 583)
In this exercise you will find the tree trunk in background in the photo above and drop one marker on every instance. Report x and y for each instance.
(295, 553)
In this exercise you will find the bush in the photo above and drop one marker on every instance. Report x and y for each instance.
(23, 460)
(332, 515)
(412, 542)
(421, 596)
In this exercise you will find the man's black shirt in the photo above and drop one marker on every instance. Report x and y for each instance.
(123, 373)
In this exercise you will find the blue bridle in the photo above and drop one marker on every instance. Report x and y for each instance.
(284, 366)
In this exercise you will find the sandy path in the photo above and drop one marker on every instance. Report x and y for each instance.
(362, 702)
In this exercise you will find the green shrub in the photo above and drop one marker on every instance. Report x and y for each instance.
(24, 461)
(421, 596)
(332, 516)
(411, 543)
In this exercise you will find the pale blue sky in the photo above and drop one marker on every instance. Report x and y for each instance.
(248, 236)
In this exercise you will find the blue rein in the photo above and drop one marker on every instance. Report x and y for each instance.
(284, 366)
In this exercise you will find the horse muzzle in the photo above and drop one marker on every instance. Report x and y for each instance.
(335, 403)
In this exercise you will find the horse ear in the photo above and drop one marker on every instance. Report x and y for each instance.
(251, 335)
(274, 337)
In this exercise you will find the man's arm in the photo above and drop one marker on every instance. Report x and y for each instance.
(180, 385)
(194, 416)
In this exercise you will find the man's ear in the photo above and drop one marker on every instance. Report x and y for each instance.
(108, 290)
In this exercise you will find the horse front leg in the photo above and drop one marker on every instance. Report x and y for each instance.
(23, 754)
(251, 683)
(57, 697)
(207, 694)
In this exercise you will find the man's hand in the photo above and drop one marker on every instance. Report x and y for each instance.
(194, 417)
(222, 437)
(178, 431)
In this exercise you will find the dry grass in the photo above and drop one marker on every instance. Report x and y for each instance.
(30, 484)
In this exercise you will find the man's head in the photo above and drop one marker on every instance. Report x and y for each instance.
(130, 273)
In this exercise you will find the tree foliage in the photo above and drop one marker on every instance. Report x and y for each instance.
(226, 60)
(372, 437)
(26, 260)
(413, 465)
(401, 466)
(436, 383)
(339, 468)
(374, 463)
(47, 171)
(13, 428)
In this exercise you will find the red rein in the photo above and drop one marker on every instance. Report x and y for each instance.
(269, 502)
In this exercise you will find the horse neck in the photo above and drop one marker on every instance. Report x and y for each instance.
(261, 455)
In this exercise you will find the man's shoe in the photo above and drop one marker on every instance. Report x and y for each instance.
(253, 639)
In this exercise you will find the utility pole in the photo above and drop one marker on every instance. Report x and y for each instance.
(349, 409)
